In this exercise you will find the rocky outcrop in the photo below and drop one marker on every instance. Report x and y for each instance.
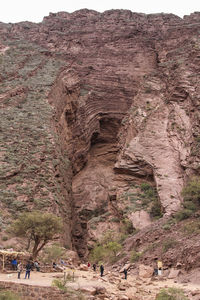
(125, 109)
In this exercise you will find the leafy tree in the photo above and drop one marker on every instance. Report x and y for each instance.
(53, 253)
(106, 249)
(98, 253)
(108, 236)
(38, 227)
(113, 247)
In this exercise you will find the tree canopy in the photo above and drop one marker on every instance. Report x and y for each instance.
(38, 227)
(106, 249)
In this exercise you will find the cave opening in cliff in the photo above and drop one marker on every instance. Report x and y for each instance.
(108, 130)
(104, 141)
(91, 186)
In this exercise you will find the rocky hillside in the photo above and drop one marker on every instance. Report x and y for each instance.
(99, 119)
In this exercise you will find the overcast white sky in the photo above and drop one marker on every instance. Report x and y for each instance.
(34, 10)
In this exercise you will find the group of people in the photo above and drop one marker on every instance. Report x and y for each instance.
(29, 267)
(158, 268)
(94, 266)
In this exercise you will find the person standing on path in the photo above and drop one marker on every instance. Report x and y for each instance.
(19, 270)
(36, 264)
(125, 273)
(14, 264)
(28, 270)
(160, 266)
(94, 267)
(101, 270)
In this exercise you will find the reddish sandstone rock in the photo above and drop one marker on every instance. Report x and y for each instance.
(145, 271)
(123, 101)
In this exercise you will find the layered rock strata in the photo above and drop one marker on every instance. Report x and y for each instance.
(125, 109)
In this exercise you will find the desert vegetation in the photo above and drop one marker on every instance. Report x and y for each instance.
(37, 227)
(171, 294)
(191, 196)
(107, 248)
(8, 295)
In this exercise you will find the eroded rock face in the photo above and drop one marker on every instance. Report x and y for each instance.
(140, 219)
(126, 109)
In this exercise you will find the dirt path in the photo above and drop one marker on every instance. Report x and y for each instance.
(145, 287)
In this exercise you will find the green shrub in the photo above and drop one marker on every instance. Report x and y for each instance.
(83, 92)
(60, 284)
(171, 294)
(190, 205)
(113, 248)
(169, 243)
(115, 220)
(183, 214)
(192, 227)
(150, 198)
(79, 295)
(105, 252)
(127, 227)
(94, 227)
(98, 253)
(107, 248)
(7, 295)
(134, 256)
(18, 205)
(151, 247)
(145, 186)
(166, 227)
(156, 209)
(170, 222)
(122, 237)
(53, 253)
(191, 192)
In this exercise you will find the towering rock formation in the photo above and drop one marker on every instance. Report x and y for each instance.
(102, 103)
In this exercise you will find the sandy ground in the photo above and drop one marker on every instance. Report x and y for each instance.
(89, 278)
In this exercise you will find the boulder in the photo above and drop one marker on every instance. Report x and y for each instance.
(195, 292)
(173, 273)
(73, 257)
(146, 280)
(101, 290)
(145, 271)
(121, 286)
(88, 290)
(103, 279)
(126, 266)
(123, 297)
(131, 293)
(83, 267)
(140, 219)
(113, 281)
(100, 297)
(166, 272)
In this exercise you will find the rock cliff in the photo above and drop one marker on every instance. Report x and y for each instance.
(94, 107)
